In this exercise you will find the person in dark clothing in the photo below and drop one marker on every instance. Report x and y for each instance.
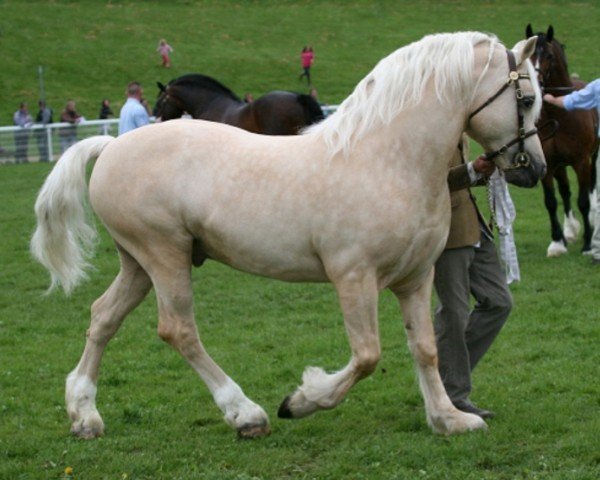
(43, 117)
(105, 111)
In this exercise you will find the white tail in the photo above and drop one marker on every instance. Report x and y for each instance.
(63, 240)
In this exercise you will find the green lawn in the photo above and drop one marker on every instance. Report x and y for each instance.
(92, 49)
(540, 376)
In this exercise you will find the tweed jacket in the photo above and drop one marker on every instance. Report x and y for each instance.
(467, 223)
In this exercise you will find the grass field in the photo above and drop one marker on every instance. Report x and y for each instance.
(92, 49)
(540, 376)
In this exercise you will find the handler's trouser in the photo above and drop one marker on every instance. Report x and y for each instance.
(464, 334)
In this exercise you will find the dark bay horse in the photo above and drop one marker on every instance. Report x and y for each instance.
(574, 144)
(275, 113)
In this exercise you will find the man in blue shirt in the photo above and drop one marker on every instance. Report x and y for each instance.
(133, 114)
(585, 99)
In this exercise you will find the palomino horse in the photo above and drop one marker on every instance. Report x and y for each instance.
(360, 200)
(275, 113)
(573, 144)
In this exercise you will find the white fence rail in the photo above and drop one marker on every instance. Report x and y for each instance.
(47, 142)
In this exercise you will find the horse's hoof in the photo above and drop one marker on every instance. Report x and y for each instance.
(556, 249)
(86, 433)
(284, 409)
(254, 431)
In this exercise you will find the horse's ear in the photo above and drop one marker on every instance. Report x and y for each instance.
(524, 49)
(550, 34)
(528, 31)
(161, 87)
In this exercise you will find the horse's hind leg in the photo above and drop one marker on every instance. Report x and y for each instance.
(319, 390)
(171, 275)
(558, 245)
(125, 293)
(584, 174)
(442, 416)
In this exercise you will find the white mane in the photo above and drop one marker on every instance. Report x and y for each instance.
(397, 82)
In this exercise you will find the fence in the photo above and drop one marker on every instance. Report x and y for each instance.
(47, 142)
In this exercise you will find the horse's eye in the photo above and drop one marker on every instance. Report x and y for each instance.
(528, 101)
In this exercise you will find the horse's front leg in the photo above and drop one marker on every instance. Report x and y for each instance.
(442, 416)
(558, 246)
(571, 226)
(320, 390)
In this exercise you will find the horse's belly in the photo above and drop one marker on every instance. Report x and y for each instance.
(260, 250)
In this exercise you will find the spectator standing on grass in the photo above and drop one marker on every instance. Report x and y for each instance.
(43, 118)
(587, 98)
(68, 135)
(133, 114)
(23, 120)
(165, 50)
(104, 114)
(307, 57)
(105, 110)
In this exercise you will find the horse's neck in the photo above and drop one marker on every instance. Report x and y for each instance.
(418, 144)
(559, 75)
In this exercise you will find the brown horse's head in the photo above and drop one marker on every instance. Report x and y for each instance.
(166, 107)
(549, 59)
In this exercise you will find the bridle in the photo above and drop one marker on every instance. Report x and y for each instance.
(167, 97)
(521, 159)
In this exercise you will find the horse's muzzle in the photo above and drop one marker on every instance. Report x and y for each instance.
(526, 176)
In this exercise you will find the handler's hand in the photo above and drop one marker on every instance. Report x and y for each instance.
(483, 166)
(552, 100)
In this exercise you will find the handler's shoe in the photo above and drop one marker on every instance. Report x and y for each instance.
(595, 261)
(467, 407)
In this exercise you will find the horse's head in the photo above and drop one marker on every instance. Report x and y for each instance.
(506, 105)
(549, 60)
(166, 106)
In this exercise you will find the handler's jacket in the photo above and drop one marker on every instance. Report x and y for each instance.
(466, 224)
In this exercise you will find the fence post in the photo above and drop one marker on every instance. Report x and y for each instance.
(48, 132)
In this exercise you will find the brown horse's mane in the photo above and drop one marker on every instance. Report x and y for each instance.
(203, 81)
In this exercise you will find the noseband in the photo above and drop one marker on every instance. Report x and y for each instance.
(521, 159)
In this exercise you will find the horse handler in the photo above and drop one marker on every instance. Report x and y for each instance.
(469, 265)
(587, 98)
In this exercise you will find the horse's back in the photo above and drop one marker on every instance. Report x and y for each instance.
(285, 113)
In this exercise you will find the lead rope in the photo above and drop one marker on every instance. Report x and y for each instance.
(493, 223)
(502, 216)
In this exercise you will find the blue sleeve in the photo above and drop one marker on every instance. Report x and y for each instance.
(584, 99)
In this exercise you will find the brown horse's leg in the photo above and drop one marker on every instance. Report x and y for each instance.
(558, 246)
(171, 276)
(126, 292)
(584, 179)
(571, 225)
